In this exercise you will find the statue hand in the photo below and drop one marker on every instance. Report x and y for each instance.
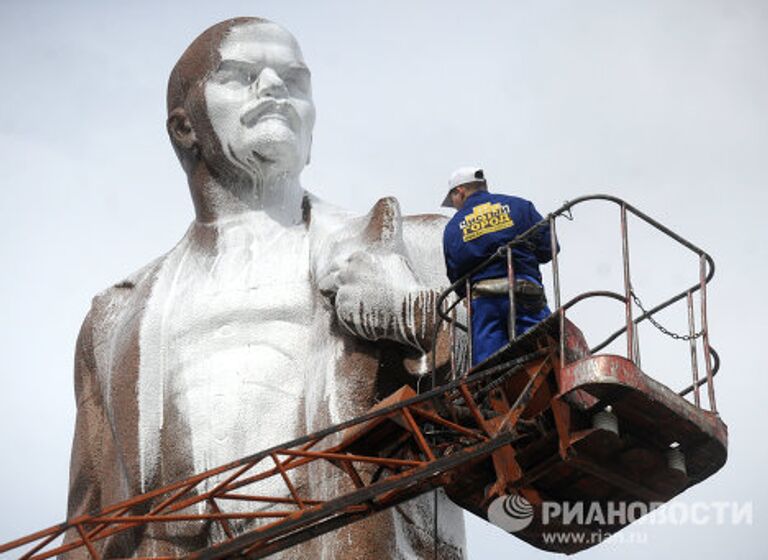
(376, 295)
(374, 289)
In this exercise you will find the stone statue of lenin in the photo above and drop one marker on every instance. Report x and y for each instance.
(275, 315)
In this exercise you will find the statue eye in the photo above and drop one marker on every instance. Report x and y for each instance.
(235, 74)
(297, 80)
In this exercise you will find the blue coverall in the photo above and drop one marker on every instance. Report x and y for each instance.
(484, 223)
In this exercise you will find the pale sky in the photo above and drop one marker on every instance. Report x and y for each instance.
(660, 102)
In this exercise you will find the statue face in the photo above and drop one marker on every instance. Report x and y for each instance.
(259, 99)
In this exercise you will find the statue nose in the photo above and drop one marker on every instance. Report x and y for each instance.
(270, 84)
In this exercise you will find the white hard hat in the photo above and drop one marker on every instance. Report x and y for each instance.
(462, 176)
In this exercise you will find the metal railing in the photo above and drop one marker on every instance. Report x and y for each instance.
(447, 311)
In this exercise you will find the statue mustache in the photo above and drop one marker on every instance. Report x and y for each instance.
(255, 111)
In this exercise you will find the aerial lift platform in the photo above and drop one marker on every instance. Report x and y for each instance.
(545, 419)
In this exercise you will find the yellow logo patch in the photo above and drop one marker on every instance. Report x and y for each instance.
(485, 218)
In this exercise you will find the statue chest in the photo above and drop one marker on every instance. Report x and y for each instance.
(227, 342)
(250, 298)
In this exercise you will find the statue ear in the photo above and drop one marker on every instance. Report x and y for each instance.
(309, 150)
(180, 129)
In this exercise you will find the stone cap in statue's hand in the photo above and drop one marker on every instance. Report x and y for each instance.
(374, 289)
(380, 232)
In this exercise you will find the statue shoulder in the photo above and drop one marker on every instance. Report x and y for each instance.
(129, 293)
(322, 214)
(426, 222)
(423, 237)
(137, 278)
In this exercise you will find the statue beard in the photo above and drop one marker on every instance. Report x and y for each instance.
(269, 148)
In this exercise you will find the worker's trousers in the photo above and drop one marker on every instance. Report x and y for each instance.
(490, 317)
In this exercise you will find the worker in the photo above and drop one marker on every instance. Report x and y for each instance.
(483, 223)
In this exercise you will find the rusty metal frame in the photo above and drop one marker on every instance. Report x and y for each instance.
(511, 320)
(295, 516)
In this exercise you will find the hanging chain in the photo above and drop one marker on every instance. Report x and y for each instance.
(661, 327)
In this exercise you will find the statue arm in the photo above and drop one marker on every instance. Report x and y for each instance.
(93, 443)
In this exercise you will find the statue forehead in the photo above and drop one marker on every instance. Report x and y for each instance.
(257, 41)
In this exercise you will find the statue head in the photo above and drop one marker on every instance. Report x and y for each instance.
(240, 103)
